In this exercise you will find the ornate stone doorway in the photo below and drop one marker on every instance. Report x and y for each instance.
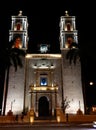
(43, 107)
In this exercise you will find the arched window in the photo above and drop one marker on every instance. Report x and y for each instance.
(68, 27)
(18, 43)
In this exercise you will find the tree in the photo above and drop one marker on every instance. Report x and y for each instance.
(83, 53)
(10, 56)
(73, 53)
(65, 104)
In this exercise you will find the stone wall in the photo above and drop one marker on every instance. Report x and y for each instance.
(71, 119)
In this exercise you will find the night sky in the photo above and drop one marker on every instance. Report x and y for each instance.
(44, 18)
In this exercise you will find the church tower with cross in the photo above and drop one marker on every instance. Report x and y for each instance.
(47, 83)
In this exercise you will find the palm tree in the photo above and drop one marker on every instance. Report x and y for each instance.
(65, 104)
(10, 57)
(73, 53)
(83, 53)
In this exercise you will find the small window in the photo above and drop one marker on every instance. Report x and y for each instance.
(68, 27)
(43, 81)
(18, 43)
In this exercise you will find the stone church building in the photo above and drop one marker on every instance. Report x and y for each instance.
(46, 82)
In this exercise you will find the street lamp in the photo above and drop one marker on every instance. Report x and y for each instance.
(91, 83)
(12, 104)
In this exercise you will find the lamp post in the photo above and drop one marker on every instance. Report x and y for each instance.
(12, 104)
(91, 83)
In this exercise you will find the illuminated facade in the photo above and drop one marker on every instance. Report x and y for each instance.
(45, 79)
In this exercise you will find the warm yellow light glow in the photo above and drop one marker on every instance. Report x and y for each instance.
(94, 109)
(65, 28)
(58, 118)
(91, 83)
(43, 56)
(66, 45)
(15, 28)
(39, 88)
(31, 119)
(66, 13)
(44, 88)
(28, 56)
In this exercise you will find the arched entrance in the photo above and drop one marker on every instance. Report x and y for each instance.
(43, 107)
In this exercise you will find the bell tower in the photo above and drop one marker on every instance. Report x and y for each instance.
(68, 32)
(18, 35)
(19, 31)
(71, 74)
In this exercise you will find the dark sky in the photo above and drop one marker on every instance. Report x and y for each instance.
(44, 18)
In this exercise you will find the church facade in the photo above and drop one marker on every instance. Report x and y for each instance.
(46, 81)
